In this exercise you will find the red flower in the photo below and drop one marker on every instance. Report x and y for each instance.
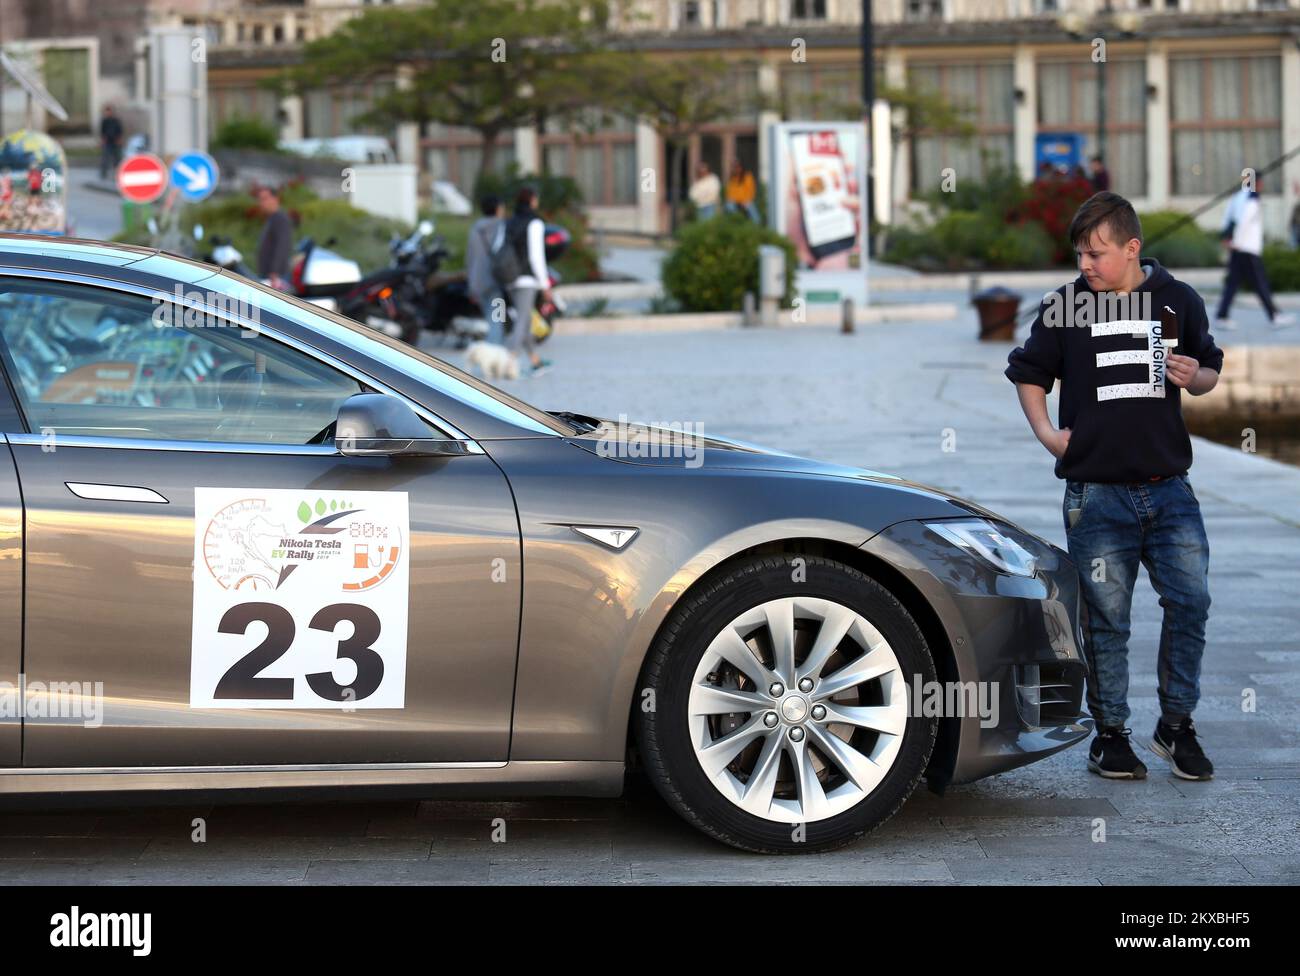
(1052, 203)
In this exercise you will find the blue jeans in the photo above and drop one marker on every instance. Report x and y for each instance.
(748, 209)
(1117, 526)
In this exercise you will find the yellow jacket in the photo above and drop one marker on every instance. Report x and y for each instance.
(741, 191)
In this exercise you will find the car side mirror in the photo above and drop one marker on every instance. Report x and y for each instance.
(375, 425)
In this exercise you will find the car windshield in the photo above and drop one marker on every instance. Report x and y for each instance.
(430, 370)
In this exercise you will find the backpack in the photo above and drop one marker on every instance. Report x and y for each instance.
(508, 260)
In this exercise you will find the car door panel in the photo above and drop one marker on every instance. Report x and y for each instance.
(109, 591)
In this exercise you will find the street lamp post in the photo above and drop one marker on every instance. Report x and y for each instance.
(1101, 103)
(1101, 91)
(1124, 26)
(868, 101)
(868, 62)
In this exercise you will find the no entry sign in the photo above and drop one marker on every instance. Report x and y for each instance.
(142, 178)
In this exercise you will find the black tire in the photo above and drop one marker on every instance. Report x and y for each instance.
(663, 735)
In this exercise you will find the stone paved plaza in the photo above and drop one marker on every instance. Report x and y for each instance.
(885, 398)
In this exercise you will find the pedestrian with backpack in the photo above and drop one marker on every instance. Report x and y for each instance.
(519, 266)
(480, 280)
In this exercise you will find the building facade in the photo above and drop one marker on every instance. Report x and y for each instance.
(85, 53)
(1194, 90)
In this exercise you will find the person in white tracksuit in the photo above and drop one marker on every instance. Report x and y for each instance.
(1243, 232)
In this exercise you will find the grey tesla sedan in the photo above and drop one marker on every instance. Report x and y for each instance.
(247, 543)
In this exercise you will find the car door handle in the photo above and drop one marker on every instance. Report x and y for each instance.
(115, 493)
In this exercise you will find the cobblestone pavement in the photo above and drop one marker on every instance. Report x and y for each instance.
(885, 398)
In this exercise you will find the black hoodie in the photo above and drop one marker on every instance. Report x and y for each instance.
(1125, 418)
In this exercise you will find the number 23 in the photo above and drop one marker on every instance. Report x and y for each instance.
(244, 680)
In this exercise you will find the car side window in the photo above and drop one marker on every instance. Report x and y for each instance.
(92, 361)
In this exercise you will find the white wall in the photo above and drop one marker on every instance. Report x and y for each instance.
(385, 190)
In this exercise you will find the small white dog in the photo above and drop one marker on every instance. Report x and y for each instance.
(491, 361)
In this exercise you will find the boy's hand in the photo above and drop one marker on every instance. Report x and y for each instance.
(1033, 400)
(1181, 370)
(1056, 441)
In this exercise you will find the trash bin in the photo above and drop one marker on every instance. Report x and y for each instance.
(998, 308)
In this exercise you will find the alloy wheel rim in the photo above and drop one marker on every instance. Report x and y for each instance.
(797, 709)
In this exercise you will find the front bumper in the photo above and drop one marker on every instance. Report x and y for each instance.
(1011, 676)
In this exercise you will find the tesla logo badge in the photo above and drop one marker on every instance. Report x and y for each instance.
(616, 537)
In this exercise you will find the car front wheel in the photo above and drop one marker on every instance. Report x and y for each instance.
(774, 706)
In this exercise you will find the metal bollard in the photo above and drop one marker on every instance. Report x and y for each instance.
(748, 308)
(771, 282)
(847, 319)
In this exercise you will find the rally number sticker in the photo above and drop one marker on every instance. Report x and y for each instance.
(300, 599)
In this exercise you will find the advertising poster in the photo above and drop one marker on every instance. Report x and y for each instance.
(819, 201)
(32, 192)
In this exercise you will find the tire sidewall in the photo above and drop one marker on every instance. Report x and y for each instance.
(824, 580)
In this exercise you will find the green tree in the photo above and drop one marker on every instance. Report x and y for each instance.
(679, 97)
(486, 65)
(925, 110)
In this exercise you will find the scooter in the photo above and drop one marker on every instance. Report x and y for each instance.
(412, 292)
(391, 298)
(328, 279)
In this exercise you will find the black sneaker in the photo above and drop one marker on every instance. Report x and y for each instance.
(1111, 756)
(1178, 745)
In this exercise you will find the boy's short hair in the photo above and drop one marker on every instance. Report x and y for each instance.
(1108, 209)
(488, 204)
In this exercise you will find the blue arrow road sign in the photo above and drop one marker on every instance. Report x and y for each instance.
(195, 174)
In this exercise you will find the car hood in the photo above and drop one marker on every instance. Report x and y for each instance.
(635, 443)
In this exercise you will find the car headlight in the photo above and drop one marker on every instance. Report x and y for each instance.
(990, 542)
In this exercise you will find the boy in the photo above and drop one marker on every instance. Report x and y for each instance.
(1125, 339)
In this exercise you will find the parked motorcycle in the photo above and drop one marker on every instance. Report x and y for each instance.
(392, 299)
(408, 296)
(446, 306)
(424, 297)
(320, 275)
(404, 298)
